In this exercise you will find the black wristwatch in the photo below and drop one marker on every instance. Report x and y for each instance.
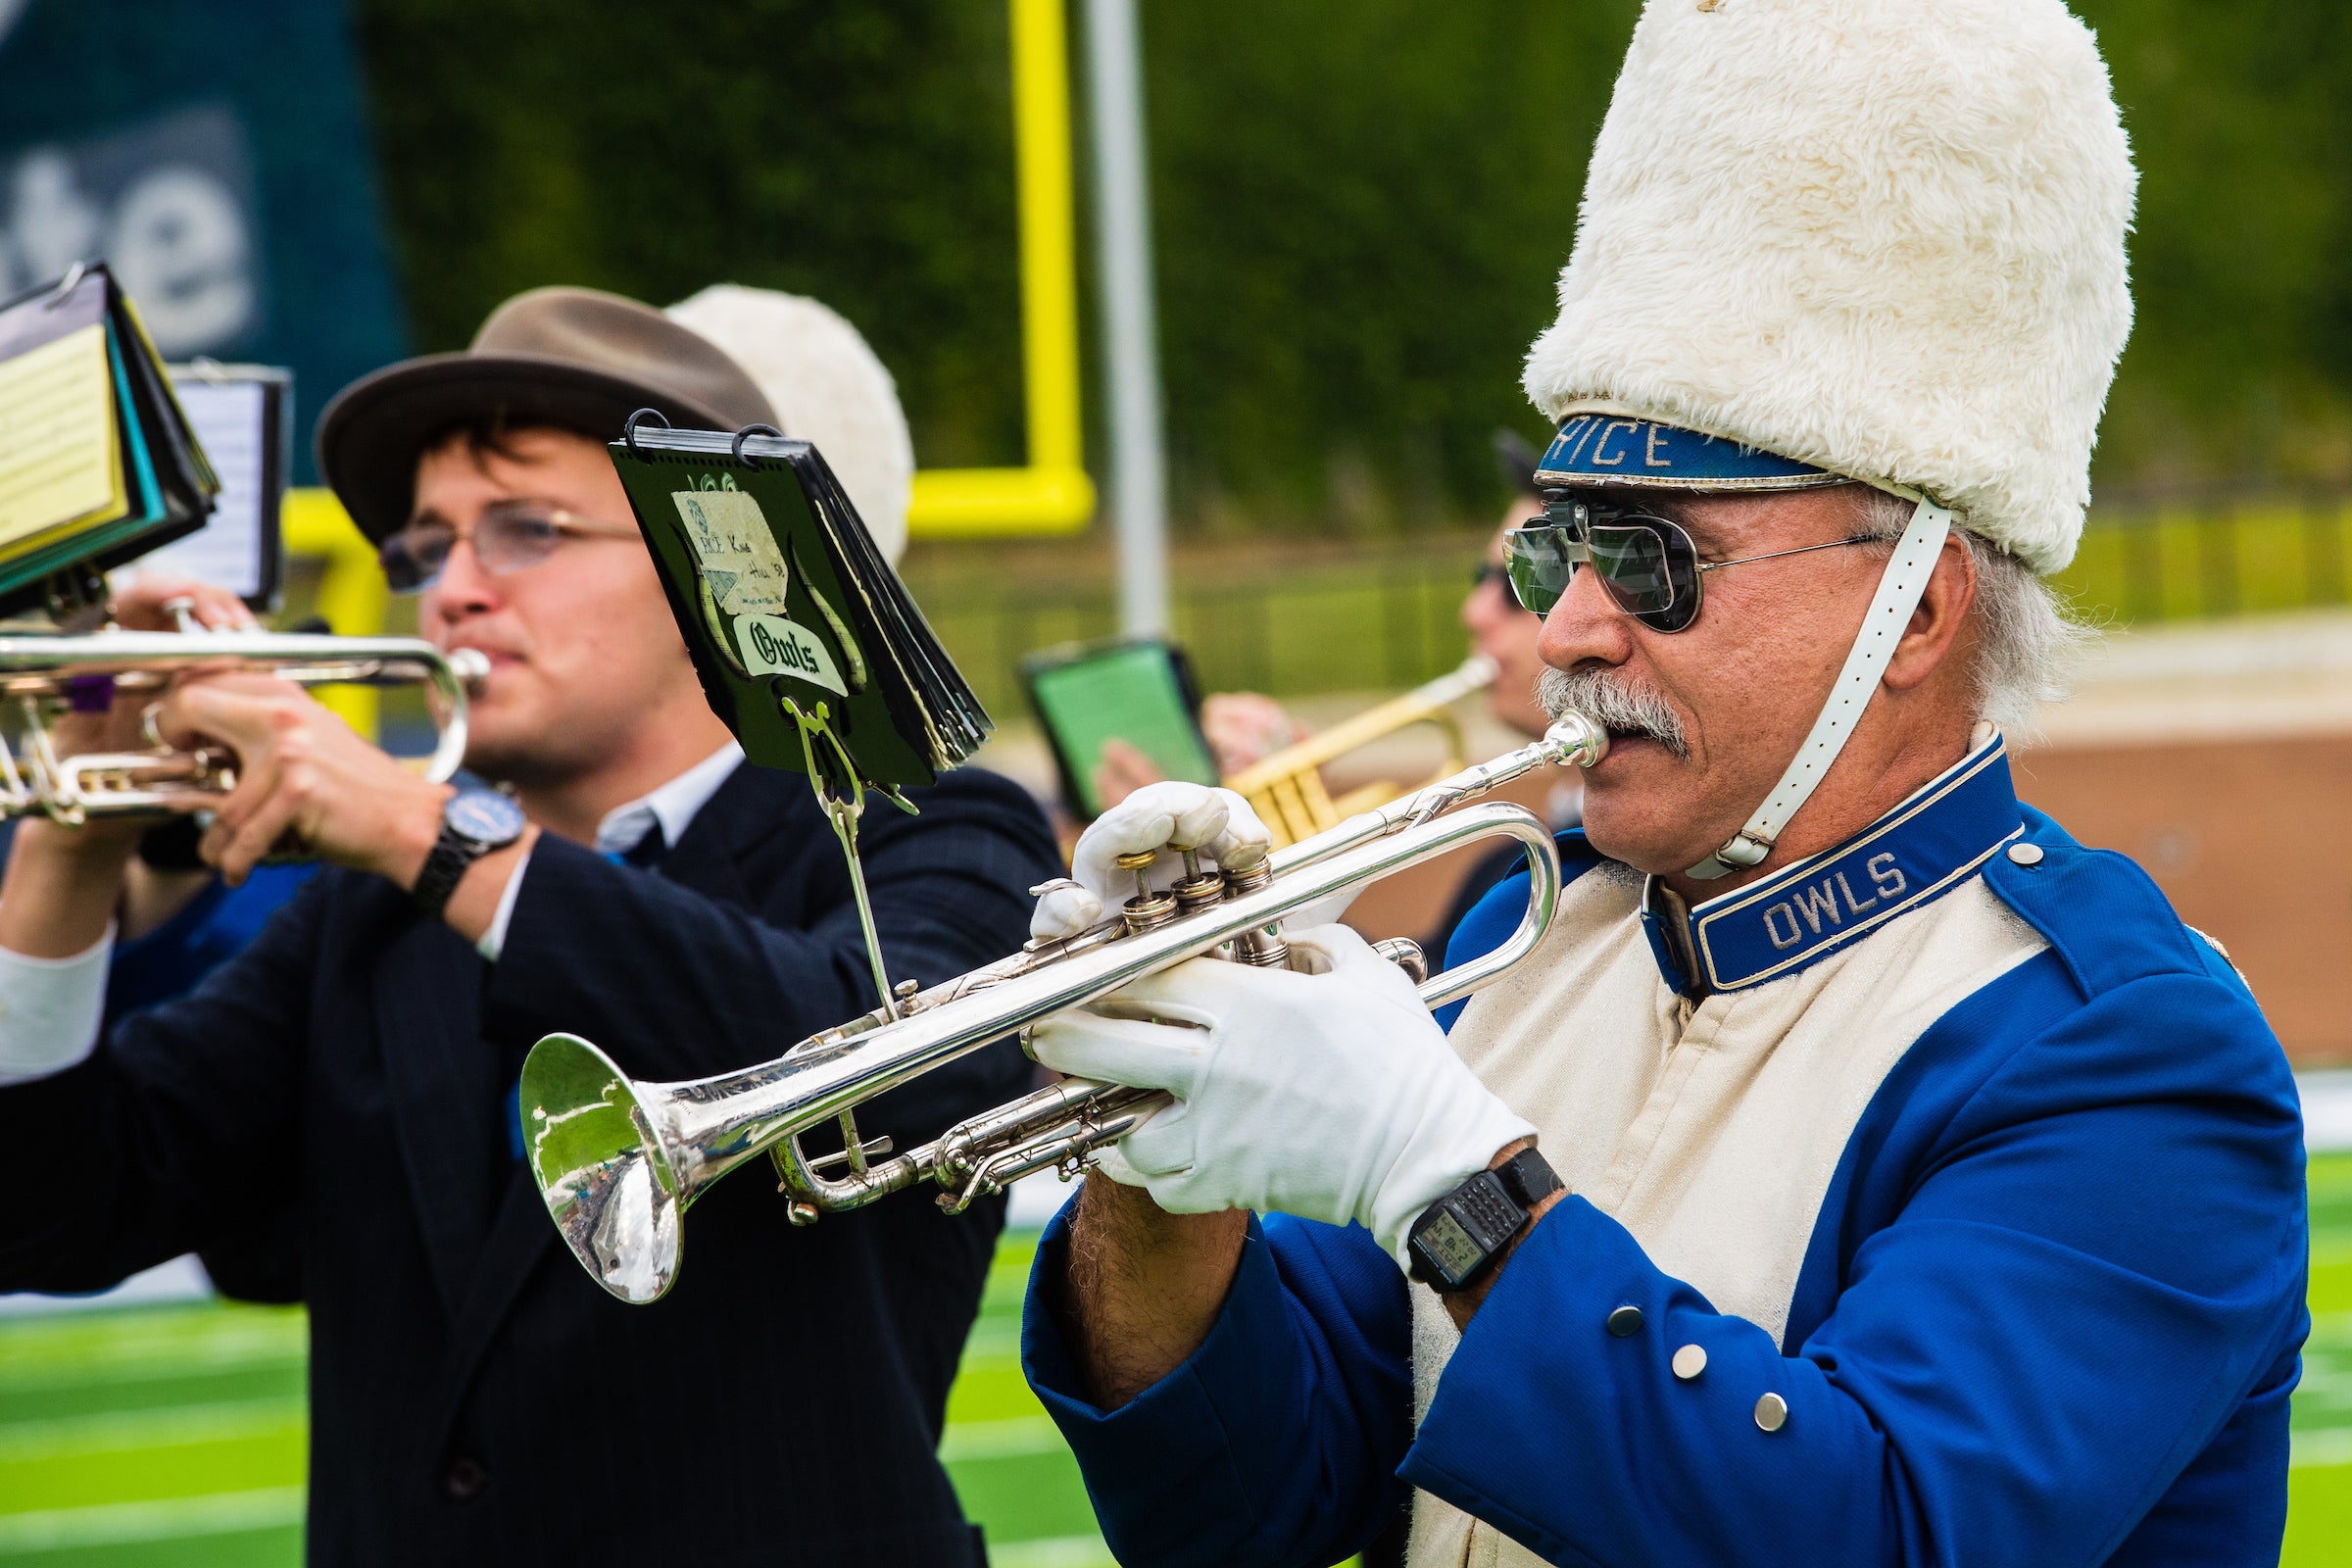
(1462, 1233)
(474, 823)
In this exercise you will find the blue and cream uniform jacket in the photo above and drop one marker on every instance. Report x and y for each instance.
(1937, 1200)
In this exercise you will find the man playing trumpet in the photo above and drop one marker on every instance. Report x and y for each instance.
(348, 1080)
(1861, 1171)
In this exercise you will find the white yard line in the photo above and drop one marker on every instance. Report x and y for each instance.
(2326, 1110)
(1018, 1437)
(1051, 1551)
(120, 1524)
(2332, 1446)
(169, 1426)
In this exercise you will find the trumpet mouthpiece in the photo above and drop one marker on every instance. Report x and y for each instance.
(604, 1176)
(1578, 739)
(470, 666)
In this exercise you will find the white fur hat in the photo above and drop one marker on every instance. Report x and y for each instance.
(826, 386)
(1885, 237)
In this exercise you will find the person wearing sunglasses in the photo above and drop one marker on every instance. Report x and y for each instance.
(1860, 1171)
(346, 1084)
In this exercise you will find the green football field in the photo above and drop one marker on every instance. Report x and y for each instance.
(141, 1438)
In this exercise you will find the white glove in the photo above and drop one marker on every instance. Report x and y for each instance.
(1332, 1096)
(1214, 821)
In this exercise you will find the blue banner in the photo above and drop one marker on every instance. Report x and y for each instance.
(216, 153)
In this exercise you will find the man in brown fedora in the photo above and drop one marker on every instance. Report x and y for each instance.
(350, 1077)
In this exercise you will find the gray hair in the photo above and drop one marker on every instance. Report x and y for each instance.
(2030, 639)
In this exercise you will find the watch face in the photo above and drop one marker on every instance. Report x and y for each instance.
(486, 816)
(1447, 1245)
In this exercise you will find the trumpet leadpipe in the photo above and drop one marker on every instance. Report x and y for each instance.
(45, 674)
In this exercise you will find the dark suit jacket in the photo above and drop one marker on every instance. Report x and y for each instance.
(475, 1396)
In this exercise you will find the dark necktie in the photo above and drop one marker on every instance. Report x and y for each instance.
(647, 850)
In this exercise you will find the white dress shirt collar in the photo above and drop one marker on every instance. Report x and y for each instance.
(673, 805)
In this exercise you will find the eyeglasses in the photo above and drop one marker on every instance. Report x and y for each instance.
(1494, 571)
(506, 538)
(1649, 565)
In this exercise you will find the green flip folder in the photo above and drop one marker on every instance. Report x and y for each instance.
(808, 645)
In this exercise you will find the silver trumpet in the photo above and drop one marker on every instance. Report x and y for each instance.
(43, 676)
(618, 1162)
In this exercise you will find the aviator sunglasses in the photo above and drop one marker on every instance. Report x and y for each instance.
(1648, 565)
(506, 538)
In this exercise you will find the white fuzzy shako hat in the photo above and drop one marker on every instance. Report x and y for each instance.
(1885, 237)
(827, 388)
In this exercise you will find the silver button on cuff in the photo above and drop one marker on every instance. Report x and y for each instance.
(2024, 853)
(1690, 1361)
(1626, 1321)
(1771, 1413)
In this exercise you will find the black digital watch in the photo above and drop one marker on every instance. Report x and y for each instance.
(1460, 1234)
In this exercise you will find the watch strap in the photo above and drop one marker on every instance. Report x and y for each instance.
(444, 867)
(1529, 1177)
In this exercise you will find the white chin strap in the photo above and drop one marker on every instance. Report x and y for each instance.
(1905, 579)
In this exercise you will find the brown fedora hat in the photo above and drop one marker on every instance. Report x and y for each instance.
(575, 357)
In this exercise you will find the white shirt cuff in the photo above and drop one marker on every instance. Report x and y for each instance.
(494, 940)
(51, 1009)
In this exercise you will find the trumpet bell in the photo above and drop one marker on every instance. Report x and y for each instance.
(607, 1184)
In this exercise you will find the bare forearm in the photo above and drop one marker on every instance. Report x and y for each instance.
(61, 887)
(1144, 1287)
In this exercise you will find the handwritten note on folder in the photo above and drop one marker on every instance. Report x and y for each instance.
(61, 462)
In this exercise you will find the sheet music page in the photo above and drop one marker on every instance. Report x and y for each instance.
(228, 418)
(56, 436)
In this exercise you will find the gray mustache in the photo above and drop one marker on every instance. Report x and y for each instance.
(1617, 706)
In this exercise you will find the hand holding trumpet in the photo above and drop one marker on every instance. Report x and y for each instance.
(1325, 1090)
(303, 777)
(100, 753)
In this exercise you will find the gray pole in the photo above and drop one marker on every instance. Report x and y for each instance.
(1122, 216)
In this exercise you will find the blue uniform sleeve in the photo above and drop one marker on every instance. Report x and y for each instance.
(1276, 1444)
(2100, 1262)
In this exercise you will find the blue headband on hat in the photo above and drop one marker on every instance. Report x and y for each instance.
(1598, 449)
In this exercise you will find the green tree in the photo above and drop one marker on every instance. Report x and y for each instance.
(860, 152)
(1359, 209)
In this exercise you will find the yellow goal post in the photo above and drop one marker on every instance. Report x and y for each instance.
(1051, 494)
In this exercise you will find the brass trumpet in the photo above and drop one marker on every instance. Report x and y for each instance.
(45, 674)
(618, 1162)
(1287, 789)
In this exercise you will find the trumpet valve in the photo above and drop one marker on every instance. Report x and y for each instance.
(1138, 861)
(1247, 869)
(1250, 869)
(1197, 890)
(1146, 910)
